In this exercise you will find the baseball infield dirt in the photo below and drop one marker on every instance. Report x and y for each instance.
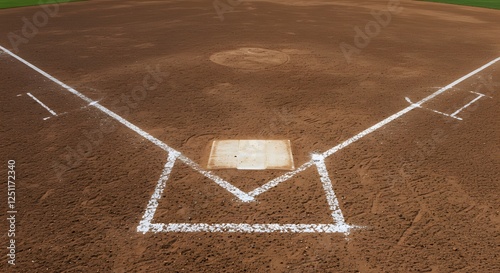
(422, 190)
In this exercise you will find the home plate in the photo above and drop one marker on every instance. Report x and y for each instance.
(251, 155)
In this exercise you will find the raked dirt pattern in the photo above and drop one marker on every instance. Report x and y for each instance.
(423, 188)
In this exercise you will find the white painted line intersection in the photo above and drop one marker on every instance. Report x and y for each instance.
(146, 223)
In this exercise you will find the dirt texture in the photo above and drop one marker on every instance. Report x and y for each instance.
(424, 188)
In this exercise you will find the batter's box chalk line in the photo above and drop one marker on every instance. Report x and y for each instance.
(317, 160)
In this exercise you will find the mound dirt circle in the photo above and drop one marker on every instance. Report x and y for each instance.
(250, 58)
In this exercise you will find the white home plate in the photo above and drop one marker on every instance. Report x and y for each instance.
(251, 155)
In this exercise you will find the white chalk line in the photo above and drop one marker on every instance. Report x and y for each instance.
(275, 182)
(286, 176)
(331, 198)
(252, 228)
(481, 94)
(467, 105)
(451, 85)
(238, 193)
(454, 114)
(221, 182)
(318, 160)
(43, 105)
(432, 110)
(160, 186)
(339, 225)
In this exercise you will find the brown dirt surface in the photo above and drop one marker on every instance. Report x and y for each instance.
(424, 188)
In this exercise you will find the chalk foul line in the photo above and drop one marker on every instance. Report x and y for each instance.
(317, 160)
(221, 182)
(286, 176)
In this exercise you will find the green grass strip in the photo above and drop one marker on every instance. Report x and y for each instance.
(5, 4)
(492, 4)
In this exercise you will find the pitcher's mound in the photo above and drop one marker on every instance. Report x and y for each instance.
(250, 58)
